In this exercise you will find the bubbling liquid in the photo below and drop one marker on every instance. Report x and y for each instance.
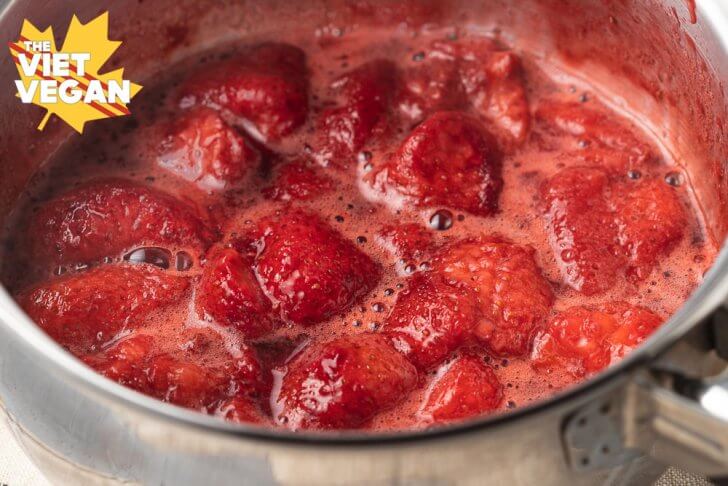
(120, 148)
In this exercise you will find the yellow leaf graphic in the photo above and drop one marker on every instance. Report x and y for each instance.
(98, 93)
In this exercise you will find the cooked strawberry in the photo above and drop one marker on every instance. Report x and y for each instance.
(652, 220)
(601, 228)
(309, 269)
(464, 388)
(106, 218)
(266, 84)
(200, 147)
(343, 383)
(365, 97)
(594, 155)
(513, 296)
(198, 373)
(494, 82)
(125, 362)
(233, 362)
(431, 320)
(229, 293)
(448, 160)
(371, 81)
(584, 340)
(297, 181)
(597, 128)
(241, 410)
(582, 229)
(431, 86)
(410, 241)
(184, 383)
(85, 310)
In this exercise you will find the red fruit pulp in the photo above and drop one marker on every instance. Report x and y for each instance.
(383, 231)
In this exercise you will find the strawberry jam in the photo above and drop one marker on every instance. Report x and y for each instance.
(381, 231)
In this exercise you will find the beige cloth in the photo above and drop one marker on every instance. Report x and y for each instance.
(17, 470)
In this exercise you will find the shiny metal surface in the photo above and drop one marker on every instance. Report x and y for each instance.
(79, 426)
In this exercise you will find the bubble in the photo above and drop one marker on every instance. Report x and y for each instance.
(634, 174)
(378, 307)
(159, 257)
(183, 261)
(388, 292)
(361, 239)
(364, 156)
(441, 220)
(673, 178)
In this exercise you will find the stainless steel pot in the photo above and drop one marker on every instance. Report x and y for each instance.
(664, 404)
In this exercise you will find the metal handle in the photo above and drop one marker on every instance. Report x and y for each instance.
(676, 414)
(678, 429)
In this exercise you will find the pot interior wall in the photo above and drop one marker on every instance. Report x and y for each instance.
(671, 68)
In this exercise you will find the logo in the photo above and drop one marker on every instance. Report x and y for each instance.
(68, 82)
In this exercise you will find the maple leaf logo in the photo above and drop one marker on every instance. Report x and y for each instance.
(89, 95)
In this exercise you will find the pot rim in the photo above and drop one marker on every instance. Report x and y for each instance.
(712, 292)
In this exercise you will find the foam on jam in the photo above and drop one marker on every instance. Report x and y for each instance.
(121, 148)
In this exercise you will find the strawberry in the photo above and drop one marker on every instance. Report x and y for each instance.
(365, 96)
(598, 129)
(309, 270)
(448, 160)
(410, 242)
(603, 228)
(265, 84)
(584, 340)
(434, 85)
(513, 296)
(492, 79)
(582, 228)
(199, 373)
(229, 293)
(464, 388)
(297, 181)
(82, 311)
(652, 220)
(341, 384)
(200, 147)
(431, 320)
(241, 410)
(125, 362)
(109, 217)
(494, 82)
